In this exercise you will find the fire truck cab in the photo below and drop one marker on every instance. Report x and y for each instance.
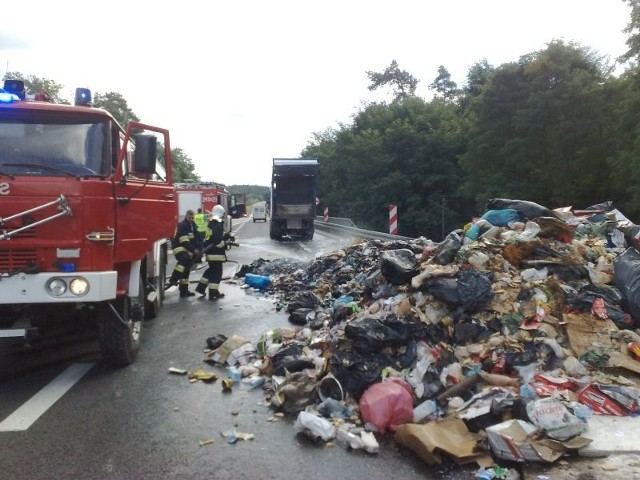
(86, 210)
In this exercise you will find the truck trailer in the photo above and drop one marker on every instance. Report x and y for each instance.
(86, 211)
(294, 188)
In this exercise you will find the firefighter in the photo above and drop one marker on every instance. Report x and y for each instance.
(200, 220)
(216, 244)
(185, 249)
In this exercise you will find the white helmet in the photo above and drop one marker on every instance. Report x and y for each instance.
(218, 212)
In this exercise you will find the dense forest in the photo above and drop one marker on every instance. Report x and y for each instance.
(559, 127)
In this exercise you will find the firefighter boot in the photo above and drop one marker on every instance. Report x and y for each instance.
(184, 291)
(173, 280)
(201, 289)
(215, 294)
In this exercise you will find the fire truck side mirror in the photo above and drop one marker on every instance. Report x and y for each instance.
(144, 158)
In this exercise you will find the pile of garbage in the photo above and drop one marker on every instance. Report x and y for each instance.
(498, 343)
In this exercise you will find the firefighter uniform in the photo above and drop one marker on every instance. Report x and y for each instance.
(215, 248)
(200, 219)
(185, 249)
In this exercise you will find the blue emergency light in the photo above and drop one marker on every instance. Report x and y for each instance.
(83, 97)
(6, 97)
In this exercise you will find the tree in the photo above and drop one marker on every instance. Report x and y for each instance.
(633, 30)
(34, 85)
(183, 167)
(444, 86)
(402, 82)
(404, 153)
(477, 77)
(541, 129)
(116, 105)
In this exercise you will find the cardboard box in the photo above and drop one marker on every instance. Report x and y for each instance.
(520, 441)
(600, 402)
(512, 440)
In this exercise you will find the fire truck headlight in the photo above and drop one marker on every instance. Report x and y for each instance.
(79, 286)
(57, 287)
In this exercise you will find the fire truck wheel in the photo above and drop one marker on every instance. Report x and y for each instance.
(152, 308)
(120, 343)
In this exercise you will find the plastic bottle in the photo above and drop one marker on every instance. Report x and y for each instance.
(485, 474)
(423, 410)
(234, 374)
(257, 281)
(254, 382)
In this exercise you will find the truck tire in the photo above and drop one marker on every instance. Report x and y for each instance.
(119, 343)
(274, 231)
(308, 234)
(152, 308)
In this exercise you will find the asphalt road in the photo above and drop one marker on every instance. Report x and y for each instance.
(74, 418)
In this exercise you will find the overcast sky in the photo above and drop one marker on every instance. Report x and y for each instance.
(238, 83)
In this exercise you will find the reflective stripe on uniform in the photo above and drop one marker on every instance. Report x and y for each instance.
(216, 258)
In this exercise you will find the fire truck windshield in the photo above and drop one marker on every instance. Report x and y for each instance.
(47, 146)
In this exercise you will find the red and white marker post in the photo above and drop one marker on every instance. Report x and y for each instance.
(393, 219)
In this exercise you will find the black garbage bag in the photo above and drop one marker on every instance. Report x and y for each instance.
(304, 299)
(301, 316)
(528, 209)
(631, 235)
(468, 290)
(583, 300)
(469, 331)
(371, 334)
(447, 250)
(296, 393)
(287, 357)
(606, 206)
(626, 276)
(404, 356)
(216, 340)
(398, 266)
(356, 371)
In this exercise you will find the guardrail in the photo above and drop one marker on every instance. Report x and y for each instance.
(346, 225)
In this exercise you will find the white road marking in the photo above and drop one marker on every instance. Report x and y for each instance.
(37, 405)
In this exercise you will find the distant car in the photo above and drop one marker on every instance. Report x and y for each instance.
(259, 213)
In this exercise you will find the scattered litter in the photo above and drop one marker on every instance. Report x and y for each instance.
(177, 371)
(502, 342)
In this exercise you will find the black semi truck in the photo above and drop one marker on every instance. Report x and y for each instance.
(294, 189)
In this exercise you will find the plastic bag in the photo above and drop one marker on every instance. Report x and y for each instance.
(314, 427)
(469, 289)
(371, 334)
(446, 251)
(398, 266)
(526, 208)
(257, 281)
(356, 371)
(551, 416)
(387, 405)
(301, 316)
(502, 218)
(626, 276)
(305, 299)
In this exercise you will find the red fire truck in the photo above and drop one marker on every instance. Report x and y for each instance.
(86, 210)
(205, 195)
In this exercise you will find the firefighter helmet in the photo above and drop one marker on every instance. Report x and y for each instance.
(218, 212)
